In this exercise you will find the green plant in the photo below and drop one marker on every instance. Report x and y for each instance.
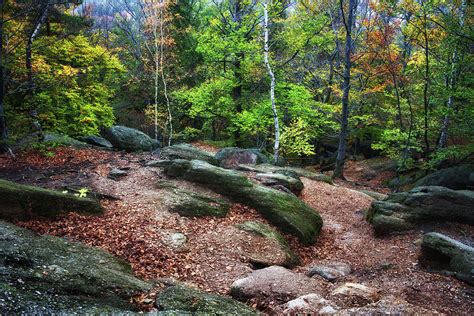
(295, 139)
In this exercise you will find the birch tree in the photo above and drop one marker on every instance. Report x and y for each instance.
(266, 52)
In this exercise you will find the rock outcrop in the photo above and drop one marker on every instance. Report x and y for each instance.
(21, 202)
(456, 178)
(49, 275)
(287, 171)
(129, 139)
(232, 157)
(191, 204)
(283, 210)
(97, 141)
(442, 253)
(405, 210)
(293, 184)
(188, 152)
(331, 271)
(281, 254)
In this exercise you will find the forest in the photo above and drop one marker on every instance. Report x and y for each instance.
(291, 155)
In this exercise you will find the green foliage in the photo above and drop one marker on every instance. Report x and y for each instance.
(398, 146)
(295, 139)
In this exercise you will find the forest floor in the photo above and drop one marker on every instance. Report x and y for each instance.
(135, 225)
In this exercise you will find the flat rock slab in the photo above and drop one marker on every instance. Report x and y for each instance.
(406, 210)
(288, 171)
(355, 294)
(274, 179)
(180, 300)
(331, 271)
(307, 304)
(21, 202)
(442, 253)
(277, 251)
(49, 275)
(275, 283)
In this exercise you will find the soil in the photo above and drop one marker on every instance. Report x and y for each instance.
(136, 223)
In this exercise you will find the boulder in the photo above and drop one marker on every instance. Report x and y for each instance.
(276, 283)
(456, 178)
(313, 304)
(97, 141)
(175, 240)
(442, 253)
(191, 204)
(188, 152)
(116, 174)
(21, 202)
(355, 294)
(232, 157)
(405, 210)
(277, 179)
(49, 275)
(129, 139)
(287, 171)
(49, 139)
(281, 254)
(180, 300)
(283, 210)
(331, 271)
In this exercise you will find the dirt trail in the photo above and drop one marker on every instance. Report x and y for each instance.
(135, 228)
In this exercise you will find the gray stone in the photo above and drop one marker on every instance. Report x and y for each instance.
(288, 171)
(176, 240)
(443, 253)
(331, 271)
(355, 294)
(405, 210)
(283, 210)
(48, 275)
(97, 141)
(274, 179)
(116, 174)
(21, 202)
(276, 283)
(232, 157)
(308, 304)
(289, 258)
(456, 178)
(188, 152)
(129, 139)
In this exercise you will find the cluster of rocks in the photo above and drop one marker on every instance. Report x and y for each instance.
(444, 196)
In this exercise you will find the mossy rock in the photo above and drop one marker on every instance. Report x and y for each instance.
(21, 202)
(231, 157)
(442, 253)
(283, 210)
(129, 139)
(293, 184)
(182, 300)
(268, 232)
(406, 210)
(45, 274)
(456, 178)
(287, 171)
(188, 152)
(191, 204)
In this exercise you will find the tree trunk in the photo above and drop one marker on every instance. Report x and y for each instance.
(346, 86)
(237, 89)
(3, 120)
(426, 101)
(451, 83)
(163, 79)
(276, 148)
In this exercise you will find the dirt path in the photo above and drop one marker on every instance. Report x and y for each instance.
(137, 226)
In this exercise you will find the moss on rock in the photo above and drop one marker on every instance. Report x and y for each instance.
(21, 202)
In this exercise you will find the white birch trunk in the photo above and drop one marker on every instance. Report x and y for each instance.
(276, 148)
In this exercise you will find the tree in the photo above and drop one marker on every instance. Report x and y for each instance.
(348, 20)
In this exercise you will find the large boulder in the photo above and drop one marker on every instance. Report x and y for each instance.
(276, 283)
(97, 141)
(280, 254)
(456, 178)
(188, 152)
(232, 157)
(180, 300)
(20, 202)
(191, 204)
(129, 139)
(443, 253)
(49, 275)
(405, 210)
(283, 210)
